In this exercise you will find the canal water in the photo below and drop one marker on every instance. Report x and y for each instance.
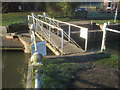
(14, 69)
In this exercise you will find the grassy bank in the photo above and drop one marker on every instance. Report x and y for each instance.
(60, 72)
(105, 21)
(112, 61)
(21, 17)
(15, 18)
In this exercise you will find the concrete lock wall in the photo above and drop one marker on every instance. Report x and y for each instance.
(17, 28)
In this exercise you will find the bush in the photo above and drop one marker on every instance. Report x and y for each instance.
(81, 14)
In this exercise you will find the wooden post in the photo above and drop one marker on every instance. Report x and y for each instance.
(103, 38)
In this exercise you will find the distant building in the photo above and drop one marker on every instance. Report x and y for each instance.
(110, 4)
(104, 5)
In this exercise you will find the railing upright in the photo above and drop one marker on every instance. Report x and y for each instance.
(62, 40)
(104, 37)
(86, 40)
(58, 26)
(69, 33)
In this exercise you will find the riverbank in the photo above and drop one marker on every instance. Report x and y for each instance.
(89, 70)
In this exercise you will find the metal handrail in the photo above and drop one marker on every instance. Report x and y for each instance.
(65, 34)
(46, 34)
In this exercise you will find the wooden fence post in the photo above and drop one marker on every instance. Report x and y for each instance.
(103, 38)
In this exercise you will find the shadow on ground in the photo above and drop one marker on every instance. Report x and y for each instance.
(96, 76)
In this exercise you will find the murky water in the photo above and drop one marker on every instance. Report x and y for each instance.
(15, 65)
(14, 68)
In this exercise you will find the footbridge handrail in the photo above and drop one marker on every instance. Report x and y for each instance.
(82, 29)
(37, 22)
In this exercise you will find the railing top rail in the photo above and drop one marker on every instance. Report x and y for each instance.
(52, 26)
(112, 30)
(63, 22)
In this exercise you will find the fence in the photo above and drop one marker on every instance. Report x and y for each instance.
(105, 29)
(83, 31)
(40, 26)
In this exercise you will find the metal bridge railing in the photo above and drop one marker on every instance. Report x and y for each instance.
(103, 46)
(43, 27)
(56, 23)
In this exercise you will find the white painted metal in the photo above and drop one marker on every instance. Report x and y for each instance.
(37, 82)
(41, 48)
(104, 37)
(69, 24)
(108, 22)
(112, 30)
(58, 26)
(69, 33)
(86, 40)
(115, 15)
(62, 40)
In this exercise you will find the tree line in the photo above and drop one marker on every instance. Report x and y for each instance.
(62, 9)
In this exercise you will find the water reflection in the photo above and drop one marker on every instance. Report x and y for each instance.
(14, 68)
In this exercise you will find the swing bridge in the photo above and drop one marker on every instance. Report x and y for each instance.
(57, 40)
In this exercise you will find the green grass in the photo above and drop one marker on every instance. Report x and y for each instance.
(105, 21)
(112, 61)
(21, 17)
(58, 73)
(15, 18)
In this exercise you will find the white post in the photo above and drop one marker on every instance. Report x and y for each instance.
(44, 14)
(108, 22)
(115, 15)
(37, 24)
(33, 36)
(49, 31)
(37, 82)
(33, 18)
(57, 26)
(42, 25)
(104, 37)
(62, 41)
(69, 33)
(86, 40)
(53, 20)
(28, 19)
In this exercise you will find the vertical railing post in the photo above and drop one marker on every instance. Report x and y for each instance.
(44, 16)
(103, 38)
(33, 35)
(42, 25)
(69, 33)
(49, 30)
(53, 20)
(62, 41)
(28, 19)
(33, 18)
(115, 15)
(86, 41)
(57, 26)
(36, 23)
(108, 22)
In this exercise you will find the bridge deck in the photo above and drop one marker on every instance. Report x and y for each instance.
(69, 48)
